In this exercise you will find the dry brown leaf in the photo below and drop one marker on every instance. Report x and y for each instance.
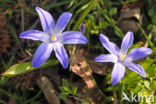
(129, 18)
(130, 15)
(82, 71)
(137, 4)
(81, 68)
(98, 68)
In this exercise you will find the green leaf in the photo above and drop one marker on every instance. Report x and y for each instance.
(113, 88)
(65, 89)
(118, 32)
(137, 89)
(71, 3)
(147, 64)
(152, 85)
(65, 83)
(85, 102)
(152, 70)
(18, 69)
(91, 18)
(74, 90)
(147, 84)
(104, 25)
(63, 96)
(112, 11)
(131, 78)
(91, 5)
(13, 32)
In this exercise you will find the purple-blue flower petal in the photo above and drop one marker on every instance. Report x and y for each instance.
(47, 21)
(73, 37)
(116, 48)
(110, 46)
(106, 58)
(61, 55)
(41, 55)
(82, 28)
(127, 42)
(137, 68)
(138, 53)
(117, 73)
(62, 22)
(34, 35)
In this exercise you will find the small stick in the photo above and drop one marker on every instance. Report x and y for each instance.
(48, 90)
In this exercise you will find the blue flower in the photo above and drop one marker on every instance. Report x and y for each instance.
(120, 58)
(53, 38)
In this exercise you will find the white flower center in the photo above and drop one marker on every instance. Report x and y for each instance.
(55, 38)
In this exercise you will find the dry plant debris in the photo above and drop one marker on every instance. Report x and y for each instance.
(12, 101)
(25, 80)
(48, 90)
(81, 68)
(130, 15)
(4, 36)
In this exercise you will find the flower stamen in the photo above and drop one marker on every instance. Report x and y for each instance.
(53, 37)
(122, 57)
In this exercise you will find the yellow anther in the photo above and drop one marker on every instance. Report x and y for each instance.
(122, 57)
(53, 37)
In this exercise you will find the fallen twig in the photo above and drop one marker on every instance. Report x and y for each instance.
(48, 90)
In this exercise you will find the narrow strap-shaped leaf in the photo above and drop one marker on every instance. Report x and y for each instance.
(22, 68)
